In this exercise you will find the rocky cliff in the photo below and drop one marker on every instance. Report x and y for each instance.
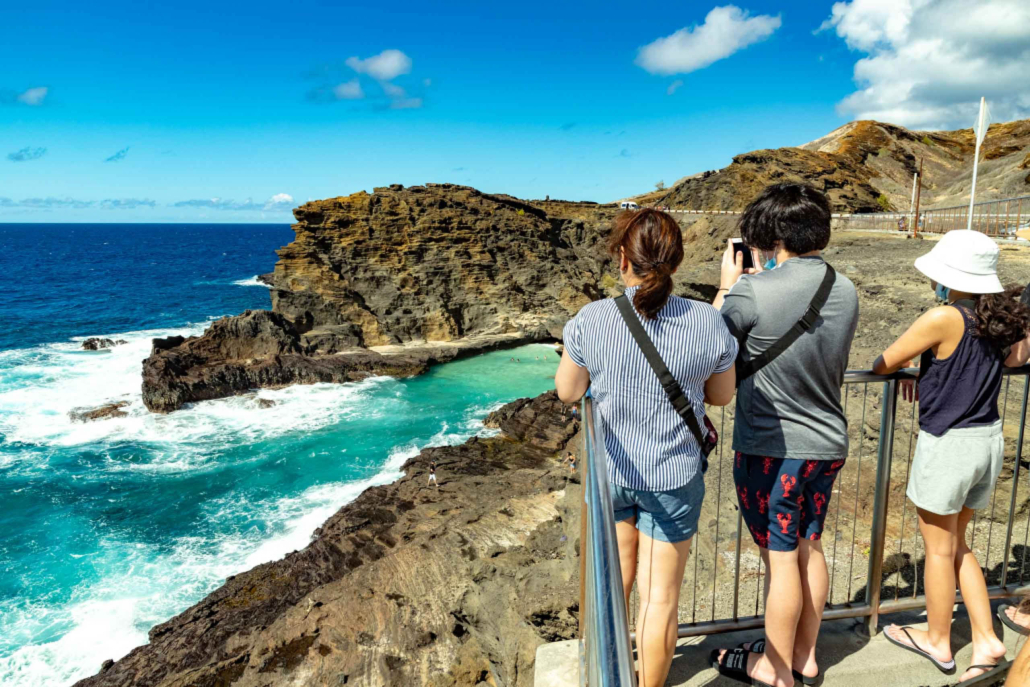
(432, 263)
(407, 585)
(393, 281)
(861, 161)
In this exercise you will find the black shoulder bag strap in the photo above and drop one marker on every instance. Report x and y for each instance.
(794, 333)
(654, 359)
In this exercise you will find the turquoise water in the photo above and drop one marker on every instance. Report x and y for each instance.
(111, 527)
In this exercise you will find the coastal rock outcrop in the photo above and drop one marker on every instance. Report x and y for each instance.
(95, 343)
(407, 585)
(430, 263)
(104, 412)
(391, 282)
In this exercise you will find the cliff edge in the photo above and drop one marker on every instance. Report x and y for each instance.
(390, 282)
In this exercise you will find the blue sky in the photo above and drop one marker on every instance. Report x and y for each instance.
(237, 112)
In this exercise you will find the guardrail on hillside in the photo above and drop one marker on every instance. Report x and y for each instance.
(871, 538)
(996, 218)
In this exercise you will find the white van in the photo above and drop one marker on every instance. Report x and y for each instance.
(628, 205)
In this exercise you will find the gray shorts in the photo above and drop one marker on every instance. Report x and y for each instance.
(956, 470)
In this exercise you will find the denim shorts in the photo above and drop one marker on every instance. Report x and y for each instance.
(669, 516)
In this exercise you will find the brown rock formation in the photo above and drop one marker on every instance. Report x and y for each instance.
(432, 263)
(104, 412)
(861, 161)
(432, 272)
(407, 585)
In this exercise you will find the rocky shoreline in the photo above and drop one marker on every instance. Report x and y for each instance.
(406, 585)
(390, 283)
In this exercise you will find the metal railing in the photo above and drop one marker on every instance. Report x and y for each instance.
(998, 218)
(604, 623)
(870, 538)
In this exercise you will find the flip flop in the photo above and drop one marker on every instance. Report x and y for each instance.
(988, 677)
(758, 647)
(946, 668)
(1010, 623)
(734, 666)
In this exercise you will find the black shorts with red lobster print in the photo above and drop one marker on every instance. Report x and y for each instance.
(784, 499)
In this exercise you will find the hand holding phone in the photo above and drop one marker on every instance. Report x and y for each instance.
(739, 247)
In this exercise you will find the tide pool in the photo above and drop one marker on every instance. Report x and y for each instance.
(110, 527)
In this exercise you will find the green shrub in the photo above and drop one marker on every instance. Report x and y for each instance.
(608, 282)
(926, 141)
(884, 204)
(521, 212)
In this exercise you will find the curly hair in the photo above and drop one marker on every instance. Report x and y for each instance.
(1002, 318)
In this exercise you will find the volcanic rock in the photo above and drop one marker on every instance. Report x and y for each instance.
(104, 412)
(406, 585)
(390, 283)
(94, 343)
(867, 166)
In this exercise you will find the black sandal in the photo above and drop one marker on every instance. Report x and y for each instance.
(734, 666)
(990, 673)
(758, 647)
(1010, 623)
(946, 668)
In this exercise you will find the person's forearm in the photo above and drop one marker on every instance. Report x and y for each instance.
(720, 296)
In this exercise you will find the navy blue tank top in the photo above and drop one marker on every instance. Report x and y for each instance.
(961, 390)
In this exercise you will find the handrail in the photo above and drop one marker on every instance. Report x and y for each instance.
(877, 530)
(605, 623)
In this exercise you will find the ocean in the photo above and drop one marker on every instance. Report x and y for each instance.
(111, 527)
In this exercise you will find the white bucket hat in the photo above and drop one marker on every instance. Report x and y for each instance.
(963, 260)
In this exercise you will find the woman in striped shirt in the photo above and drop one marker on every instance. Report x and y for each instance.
(655, 465)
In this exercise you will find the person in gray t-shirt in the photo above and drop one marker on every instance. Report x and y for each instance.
(790, 435)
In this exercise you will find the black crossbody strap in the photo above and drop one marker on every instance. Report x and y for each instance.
(669, 384)
(794, 333)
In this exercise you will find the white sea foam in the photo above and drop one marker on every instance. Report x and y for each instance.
(253, 281)
(142, 583)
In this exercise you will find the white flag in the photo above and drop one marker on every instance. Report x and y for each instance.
(983, 122)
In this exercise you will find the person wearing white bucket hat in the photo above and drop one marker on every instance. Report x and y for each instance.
(963, 346)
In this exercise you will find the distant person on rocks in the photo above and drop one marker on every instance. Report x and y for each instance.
(432, 475)
(571, 460)
(963, 346)
(795, 322)
(654, 457)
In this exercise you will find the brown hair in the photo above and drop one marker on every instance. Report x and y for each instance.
(1001, 317)
(653, 244)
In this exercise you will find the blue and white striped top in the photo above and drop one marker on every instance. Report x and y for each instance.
(649, 446)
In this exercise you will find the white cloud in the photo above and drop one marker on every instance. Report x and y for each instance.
(928, 61)
(33, 96)
(349, 90)
(673, 87)
(385, 66)
(281, 199)
(725, 31)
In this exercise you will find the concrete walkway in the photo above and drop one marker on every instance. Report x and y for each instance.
(846, 657)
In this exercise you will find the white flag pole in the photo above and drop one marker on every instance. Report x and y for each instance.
(976, 158)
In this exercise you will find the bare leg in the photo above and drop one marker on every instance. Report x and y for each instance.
(940, 535)
(626, 535)
(783, 606)
(815, 585)
(660, 578)
(987, 648)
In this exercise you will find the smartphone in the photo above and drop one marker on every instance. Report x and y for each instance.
(739, 247)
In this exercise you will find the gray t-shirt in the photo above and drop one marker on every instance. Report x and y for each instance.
(791, 408)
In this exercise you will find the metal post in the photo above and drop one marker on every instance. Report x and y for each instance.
(918, 193)
(1015, 485)
(883, 482)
